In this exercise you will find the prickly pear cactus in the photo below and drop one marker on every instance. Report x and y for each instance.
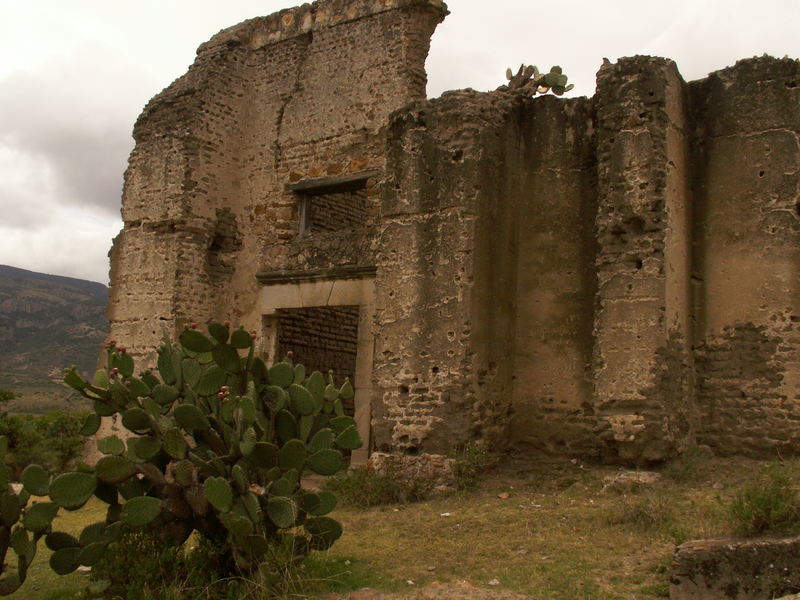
(529, 81)
(221, 442)
(22, 523)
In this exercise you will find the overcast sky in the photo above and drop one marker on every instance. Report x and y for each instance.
(75, 74)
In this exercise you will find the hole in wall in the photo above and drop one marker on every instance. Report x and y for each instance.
(403, 389)
(412, 451)
(761, 173)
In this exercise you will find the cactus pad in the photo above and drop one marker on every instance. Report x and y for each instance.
(110, 445)
(241, 339)
(324, 532)
(282, 511)
(219, 493)
(90, 555)
(326, 462)
(96, 532)
(219, 332)
(316, 386)
(135, 419)
(174, 443)
(210, 381)
(145, 447)
(191, 371)
(195, 341)
(90, 425)
(322, 440)
(72, 490)
(264, 455)
(239, 525)
(292, 455)
(65, 560)
(281, 374)
(58, 539)
(191, 418)
(165, 394)
(327, 502)
(114, 469)
(349, 439)
(339, 424)
(301, 400)
(39, 516)
(346, 391)
(285, 426)
(140, 511)
(36, 480)
(248, 441)
(227, 358)
(304, 426)
(275, 398)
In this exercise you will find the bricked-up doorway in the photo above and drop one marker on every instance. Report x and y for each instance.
(326, 318)
(322, 338)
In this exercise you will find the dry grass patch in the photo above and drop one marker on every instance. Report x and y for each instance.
(541, 529)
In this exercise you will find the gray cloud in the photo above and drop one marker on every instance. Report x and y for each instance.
(73, 118)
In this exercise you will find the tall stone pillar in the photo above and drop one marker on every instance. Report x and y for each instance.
(643, 387)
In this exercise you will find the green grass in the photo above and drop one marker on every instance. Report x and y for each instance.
(555, 535)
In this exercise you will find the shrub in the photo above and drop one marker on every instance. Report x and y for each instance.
(645, 513)
(768, 504)
(219, 445)
(471, 461)
(53, 441)
(365, 487)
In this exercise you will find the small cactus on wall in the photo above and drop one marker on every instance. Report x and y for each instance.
(221, 442)
(529, 81)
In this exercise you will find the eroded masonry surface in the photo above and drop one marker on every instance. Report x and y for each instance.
(614, 276)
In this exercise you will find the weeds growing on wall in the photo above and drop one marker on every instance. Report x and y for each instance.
(767, 504)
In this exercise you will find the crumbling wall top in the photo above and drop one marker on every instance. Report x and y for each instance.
(262, 31)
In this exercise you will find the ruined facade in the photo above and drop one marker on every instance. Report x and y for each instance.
(614, 276)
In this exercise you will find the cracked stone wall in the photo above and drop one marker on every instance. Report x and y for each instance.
(614, 276)
(300, 94)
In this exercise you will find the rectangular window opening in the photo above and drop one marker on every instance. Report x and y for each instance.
(332, 204)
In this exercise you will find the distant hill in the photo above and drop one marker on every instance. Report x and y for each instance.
(48, 322)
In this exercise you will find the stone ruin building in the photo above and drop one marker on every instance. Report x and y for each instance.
(613, 277)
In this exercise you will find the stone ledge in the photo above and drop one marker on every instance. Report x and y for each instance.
(735, 569)
(297, 276)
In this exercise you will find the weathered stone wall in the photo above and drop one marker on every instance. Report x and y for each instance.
(300, 94)
(614, 276)
(552, 399)
(642, 391)
(746, 159)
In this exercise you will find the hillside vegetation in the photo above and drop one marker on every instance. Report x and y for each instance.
(47, 322)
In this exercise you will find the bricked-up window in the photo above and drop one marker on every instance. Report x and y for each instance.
(321, 338)
(332, 203)
(334, 211)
